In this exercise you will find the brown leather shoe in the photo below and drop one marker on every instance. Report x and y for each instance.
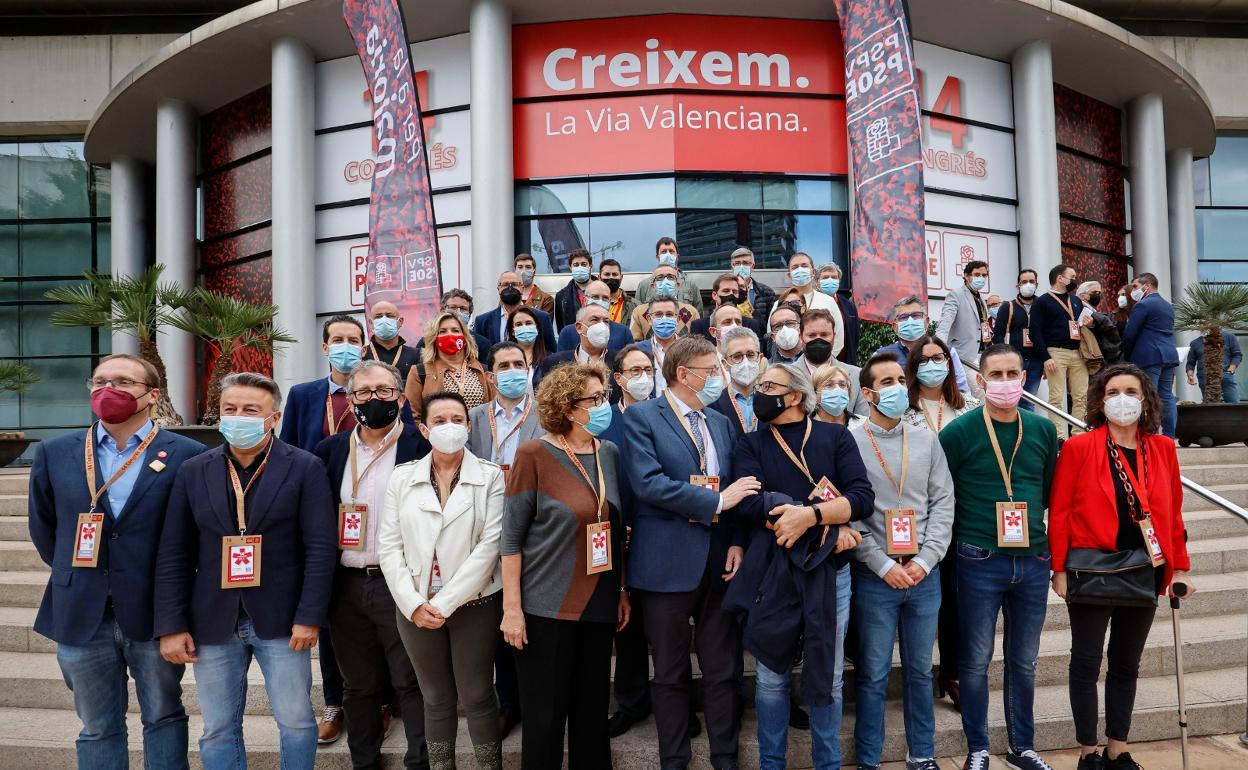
(387, 722)
(331, 726)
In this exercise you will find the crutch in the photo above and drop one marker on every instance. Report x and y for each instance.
(1179, 590)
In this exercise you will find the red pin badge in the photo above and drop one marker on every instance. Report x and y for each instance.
(162, 454)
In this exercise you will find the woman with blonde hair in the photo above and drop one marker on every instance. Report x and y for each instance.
(831, 385)
(448, 364)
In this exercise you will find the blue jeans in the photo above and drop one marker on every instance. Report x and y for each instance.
(1018, 587)
(771, 700)
(1230, 388)
(1035, 375)
(221, 676)
(883, 615)
(96, 672)
(1163, 379)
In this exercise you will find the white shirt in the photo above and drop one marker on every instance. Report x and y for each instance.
(660, 382)
(712, 455)
(817, 300)
(372, 492)
(584, 358)
(504, 421)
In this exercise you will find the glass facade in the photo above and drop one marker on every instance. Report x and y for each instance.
(54, 210)
(709, 216)
(1221, 192)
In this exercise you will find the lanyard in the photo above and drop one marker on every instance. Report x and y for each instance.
(498, 445)
(334, 425)
(89, 460)
(1068, 305)
(459, 376)
(732, 397)
(357, 476)
(689, 432)
(1006, 471)
(240, 492)
(1129, 479)
(905, 458)
(393, 361)
(600, 495)
(799, 462)
(940, 415)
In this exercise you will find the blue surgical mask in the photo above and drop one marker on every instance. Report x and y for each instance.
(829, 285)
(801, 276)
(834, 400)
(992, 311)
(386, 328)
(602, 303)
(711, 390)
(580, 274)
(979, 282)
(665, 288)
(513, 382)
(894, 400)
(667, 258)
(243, 432)
(343, 356)
(742, 271)
(525, 334)
(911, 329)
(664, 327)
(933, 373)
(599, 419)
(466, 318)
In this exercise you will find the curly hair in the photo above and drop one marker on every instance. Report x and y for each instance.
(431, 351)
(1150, 418)
(948, 388)
(559, 389)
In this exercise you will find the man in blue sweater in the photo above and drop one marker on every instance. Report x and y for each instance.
(1232, 357)
(1055, 329)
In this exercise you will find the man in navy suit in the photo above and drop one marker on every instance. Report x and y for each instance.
(98, 603)
(492, 326)
(597, 293)
(245, 569)
(679, 559)
(1148, 342)
(362, 609)
(571, 298)
(728, 297)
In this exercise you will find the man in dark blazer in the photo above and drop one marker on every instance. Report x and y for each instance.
(571, 298)
(386, 344)
(362, 616)
(98, 603)
(853, 328)
(1148, 342)
(681, 548)
(596, 293)
(759, 295)
(491, 325)
(279, 565)
(594, 333)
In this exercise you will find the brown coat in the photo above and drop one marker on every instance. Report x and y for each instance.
(415, 388)
(540, 300)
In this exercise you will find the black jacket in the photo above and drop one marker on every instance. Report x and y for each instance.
(333, 451)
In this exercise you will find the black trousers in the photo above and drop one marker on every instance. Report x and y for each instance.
(949, 636)
(1128, 631)
(331, 677)
(632, 667)
(565, 680)
(505, 684)
(717, 642)
(362, 624)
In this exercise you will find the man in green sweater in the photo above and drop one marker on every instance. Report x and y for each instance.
(1002, 461)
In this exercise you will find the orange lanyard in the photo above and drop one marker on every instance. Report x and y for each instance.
(800, 463)
(393, 361)
(334, 425)
(381, 451)
(732, 398)
(600, 493)
(1068, 305)
(240, 492)
(89, 460)
(1007, 472)
(940, 415)
(498, 445)
(905, 458)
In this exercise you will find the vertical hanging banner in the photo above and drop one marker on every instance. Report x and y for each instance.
(403, 265)
(882, 118)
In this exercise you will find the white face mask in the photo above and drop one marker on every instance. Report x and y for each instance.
(744, 372)
(1123, 410)
(787, 338)
(598, 334)
(639, 387)
(1122, 302)
(1137, 294)
(449, 437)
(1027, 290)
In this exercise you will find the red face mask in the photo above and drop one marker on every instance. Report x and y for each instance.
(112, 405)
(451, 344)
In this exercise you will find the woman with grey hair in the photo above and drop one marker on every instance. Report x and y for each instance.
(793, 588)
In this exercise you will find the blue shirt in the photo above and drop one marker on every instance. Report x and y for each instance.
(745, 404)
(110, 457)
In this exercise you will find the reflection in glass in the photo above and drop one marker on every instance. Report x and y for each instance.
(697, 193)
(630, 239)
(552, 240)
(58, 398)
(53, 178)
(1200, 182)
(1228, 171)
(1223, 272)
(559, 198)
(8, 250)
(59, 249)
(40, 338)
(8, 181)
(1222, 234)
(625, 194)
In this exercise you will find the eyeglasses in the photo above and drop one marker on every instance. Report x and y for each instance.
(122, 383)
(777, 326)
(919, 316)
(367, 394)
(600, 298)
(636, 370)
(773, 388)
(939, 358)
(748, 355)
(509, 285)
(596, 400)
(662, 314)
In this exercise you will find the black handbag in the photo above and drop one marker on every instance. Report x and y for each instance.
(1123, 578)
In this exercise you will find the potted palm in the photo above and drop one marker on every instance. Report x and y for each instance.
(140, 305)
(228, 327)
(1211, 308)
(14, 378)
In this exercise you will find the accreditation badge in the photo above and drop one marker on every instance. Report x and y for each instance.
(352, 521)
(985, 332)
(706, 482)
(240, 561)
(87, 540)
(824, 491)
(598, 547)
(902, 538)
(1074, 329)
(1151, 542)
(1026, 337)
(1012, 525)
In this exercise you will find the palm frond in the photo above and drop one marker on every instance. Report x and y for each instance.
(1209, 306)
(16, 377)
(228, 323)
(134, 304)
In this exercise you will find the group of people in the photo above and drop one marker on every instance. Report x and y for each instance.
(473, 524)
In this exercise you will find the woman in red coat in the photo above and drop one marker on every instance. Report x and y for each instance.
(1108, 480)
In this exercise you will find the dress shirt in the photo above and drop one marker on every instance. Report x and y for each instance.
(504, 420)
(745, 402)
(660, 382)
(110, 457)
(712, 454)
(583, 357)
(372, 492)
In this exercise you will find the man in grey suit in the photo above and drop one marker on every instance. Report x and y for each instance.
(964, 321)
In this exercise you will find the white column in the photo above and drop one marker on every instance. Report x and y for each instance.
(128, 231)
(294, 211)
(493, 209)
(175, 238)
(1035, 148)
(1183, 267)
(1150, 233)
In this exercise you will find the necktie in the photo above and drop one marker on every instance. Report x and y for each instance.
(695, 427)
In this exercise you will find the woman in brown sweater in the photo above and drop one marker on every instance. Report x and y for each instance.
(448, 363)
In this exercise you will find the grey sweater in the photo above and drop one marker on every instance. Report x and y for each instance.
(928, 490)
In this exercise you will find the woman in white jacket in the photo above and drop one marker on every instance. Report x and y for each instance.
(438, 546)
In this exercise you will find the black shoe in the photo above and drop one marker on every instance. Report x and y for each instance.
(507, 721)
(798, 718)
(621, 723)
(695, 726)
(1093, 761)
(1122, 762)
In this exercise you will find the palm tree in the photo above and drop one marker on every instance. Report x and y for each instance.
(229, 326)
(138, 304)
(16, 377)
(1210, 308)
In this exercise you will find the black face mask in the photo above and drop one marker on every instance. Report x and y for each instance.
(1094, 298)
(510, 295)
(768, 408)
(818, 351)
(730, 299)
(612, 283)
(375, 413)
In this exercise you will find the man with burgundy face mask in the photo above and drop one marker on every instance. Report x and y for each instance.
(97, 500)
(1002, 459)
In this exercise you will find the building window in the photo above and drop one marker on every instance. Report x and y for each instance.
(54, 210)
(1220, 185)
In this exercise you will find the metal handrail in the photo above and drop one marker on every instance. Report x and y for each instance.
(1199, 489)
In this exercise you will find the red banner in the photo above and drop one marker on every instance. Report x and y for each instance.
(403, 262)
(882, 117)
